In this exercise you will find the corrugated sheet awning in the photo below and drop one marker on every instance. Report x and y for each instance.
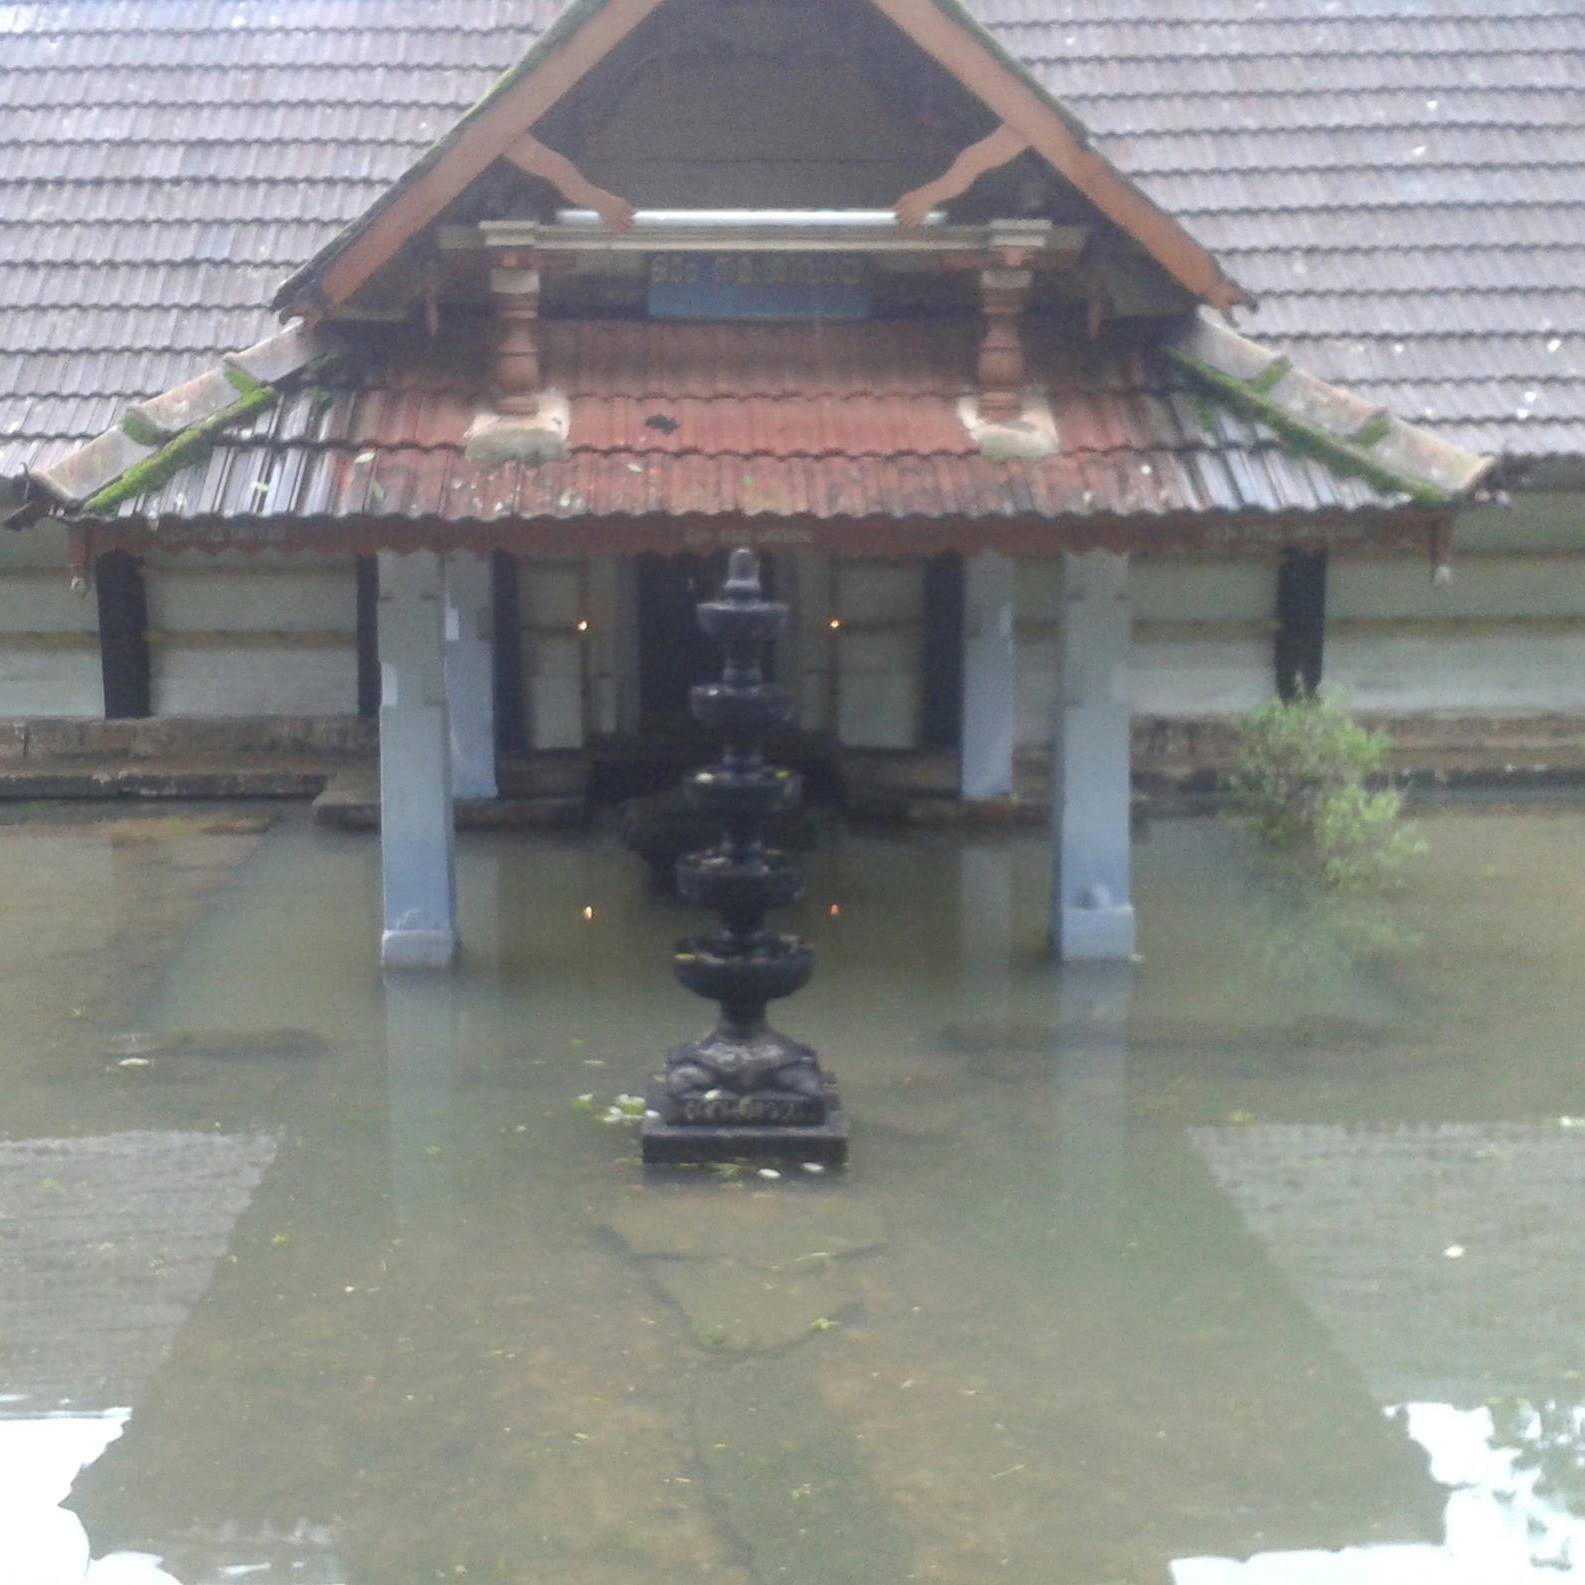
(673, 426)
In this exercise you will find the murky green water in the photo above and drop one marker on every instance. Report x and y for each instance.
(1261, 1262)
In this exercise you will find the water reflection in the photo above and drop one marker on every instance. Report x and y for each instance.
(421, 1013)
(1431, 1254)
(42, 1543)
(1504, 1525)
(1126, 1268)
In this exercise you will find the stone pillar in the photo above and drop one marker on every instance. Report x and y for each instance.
(470, 675)
(985, 755)
(417, 847)
(1091, 913)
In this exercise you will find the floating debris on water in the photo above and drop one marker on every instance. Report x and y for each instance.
(222, 1045)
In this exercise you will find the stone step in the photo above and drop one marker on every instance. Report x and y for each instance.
(351, 802)
(232, 776)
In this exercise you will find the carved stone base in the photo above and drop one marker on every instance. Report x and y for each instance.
(746, 1129)
(763, 1077)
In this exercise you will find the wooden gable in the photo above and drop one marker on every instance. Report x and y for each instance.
(766, 104)
(760, 104)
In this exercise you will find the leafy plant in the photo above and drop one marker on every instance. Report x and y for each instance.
(1300, 778)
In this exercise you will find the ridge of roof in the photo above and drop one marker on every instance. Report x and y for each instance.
(1051, 129)
(1353, 437)
(159, 438)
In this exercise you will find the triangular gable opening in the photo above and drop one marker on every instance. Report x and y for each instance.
(785, 104)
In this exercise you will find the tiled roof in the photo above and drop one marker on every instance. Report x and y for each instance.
(679, 421)
(1404, 193)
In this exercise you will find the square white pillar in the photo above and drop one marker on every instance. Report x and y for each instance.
(417, 845)
(985, 754)
(1092, 916)
(470, 675)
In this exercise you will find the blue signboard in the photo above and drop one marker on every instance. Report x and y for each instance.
(759, 286)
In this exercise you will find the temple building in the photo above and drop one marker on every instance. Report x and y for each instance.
(847, 281)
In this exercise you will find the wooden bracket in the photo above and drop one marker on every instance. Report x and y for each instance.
(990, 153)
(530, 155)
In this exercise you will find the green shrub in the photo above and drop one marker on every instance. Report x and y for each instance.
(1300, 778)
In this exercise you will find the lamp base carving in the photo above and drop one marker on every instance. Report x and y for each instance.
(768, 1124)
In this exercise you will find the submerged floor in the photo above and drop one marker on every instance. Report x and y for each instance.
(1261, 1262)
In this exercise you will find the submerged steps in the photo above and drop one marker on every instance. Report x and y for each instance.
(351, 802)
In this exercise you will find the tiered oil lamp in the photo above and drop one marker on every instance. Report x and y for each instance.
(743, 1090)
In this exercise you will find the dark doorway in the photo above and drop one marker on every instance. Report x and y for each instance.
(674, 653)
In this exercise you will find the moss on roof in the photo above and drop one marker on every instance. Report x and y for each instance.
(1252, 399)
(193, 445)
(186, 450)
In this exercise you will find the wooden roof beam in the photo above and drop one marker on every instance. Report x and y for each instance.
(974, 64)
(530, 155)
(513, 111)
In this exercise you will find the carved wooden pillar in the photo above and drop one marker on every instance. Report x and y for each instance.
(1005, 279)
(1002, 375)
(514, 288)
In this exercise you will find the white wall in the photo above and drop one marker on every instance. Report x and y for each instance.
(553, 597)
(269, 634)
(237, 634)
(1202, 645)
(1506, 637)
(808, 653)
(1203, 634)
(1035, 594)
(49, 637)
(879, 652)
(611, 644)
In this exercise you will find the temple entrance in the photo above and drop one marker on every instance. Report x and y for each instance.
(674, 653)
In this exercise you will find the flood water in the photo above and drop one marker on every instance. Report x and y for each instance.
(1260, 1262)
